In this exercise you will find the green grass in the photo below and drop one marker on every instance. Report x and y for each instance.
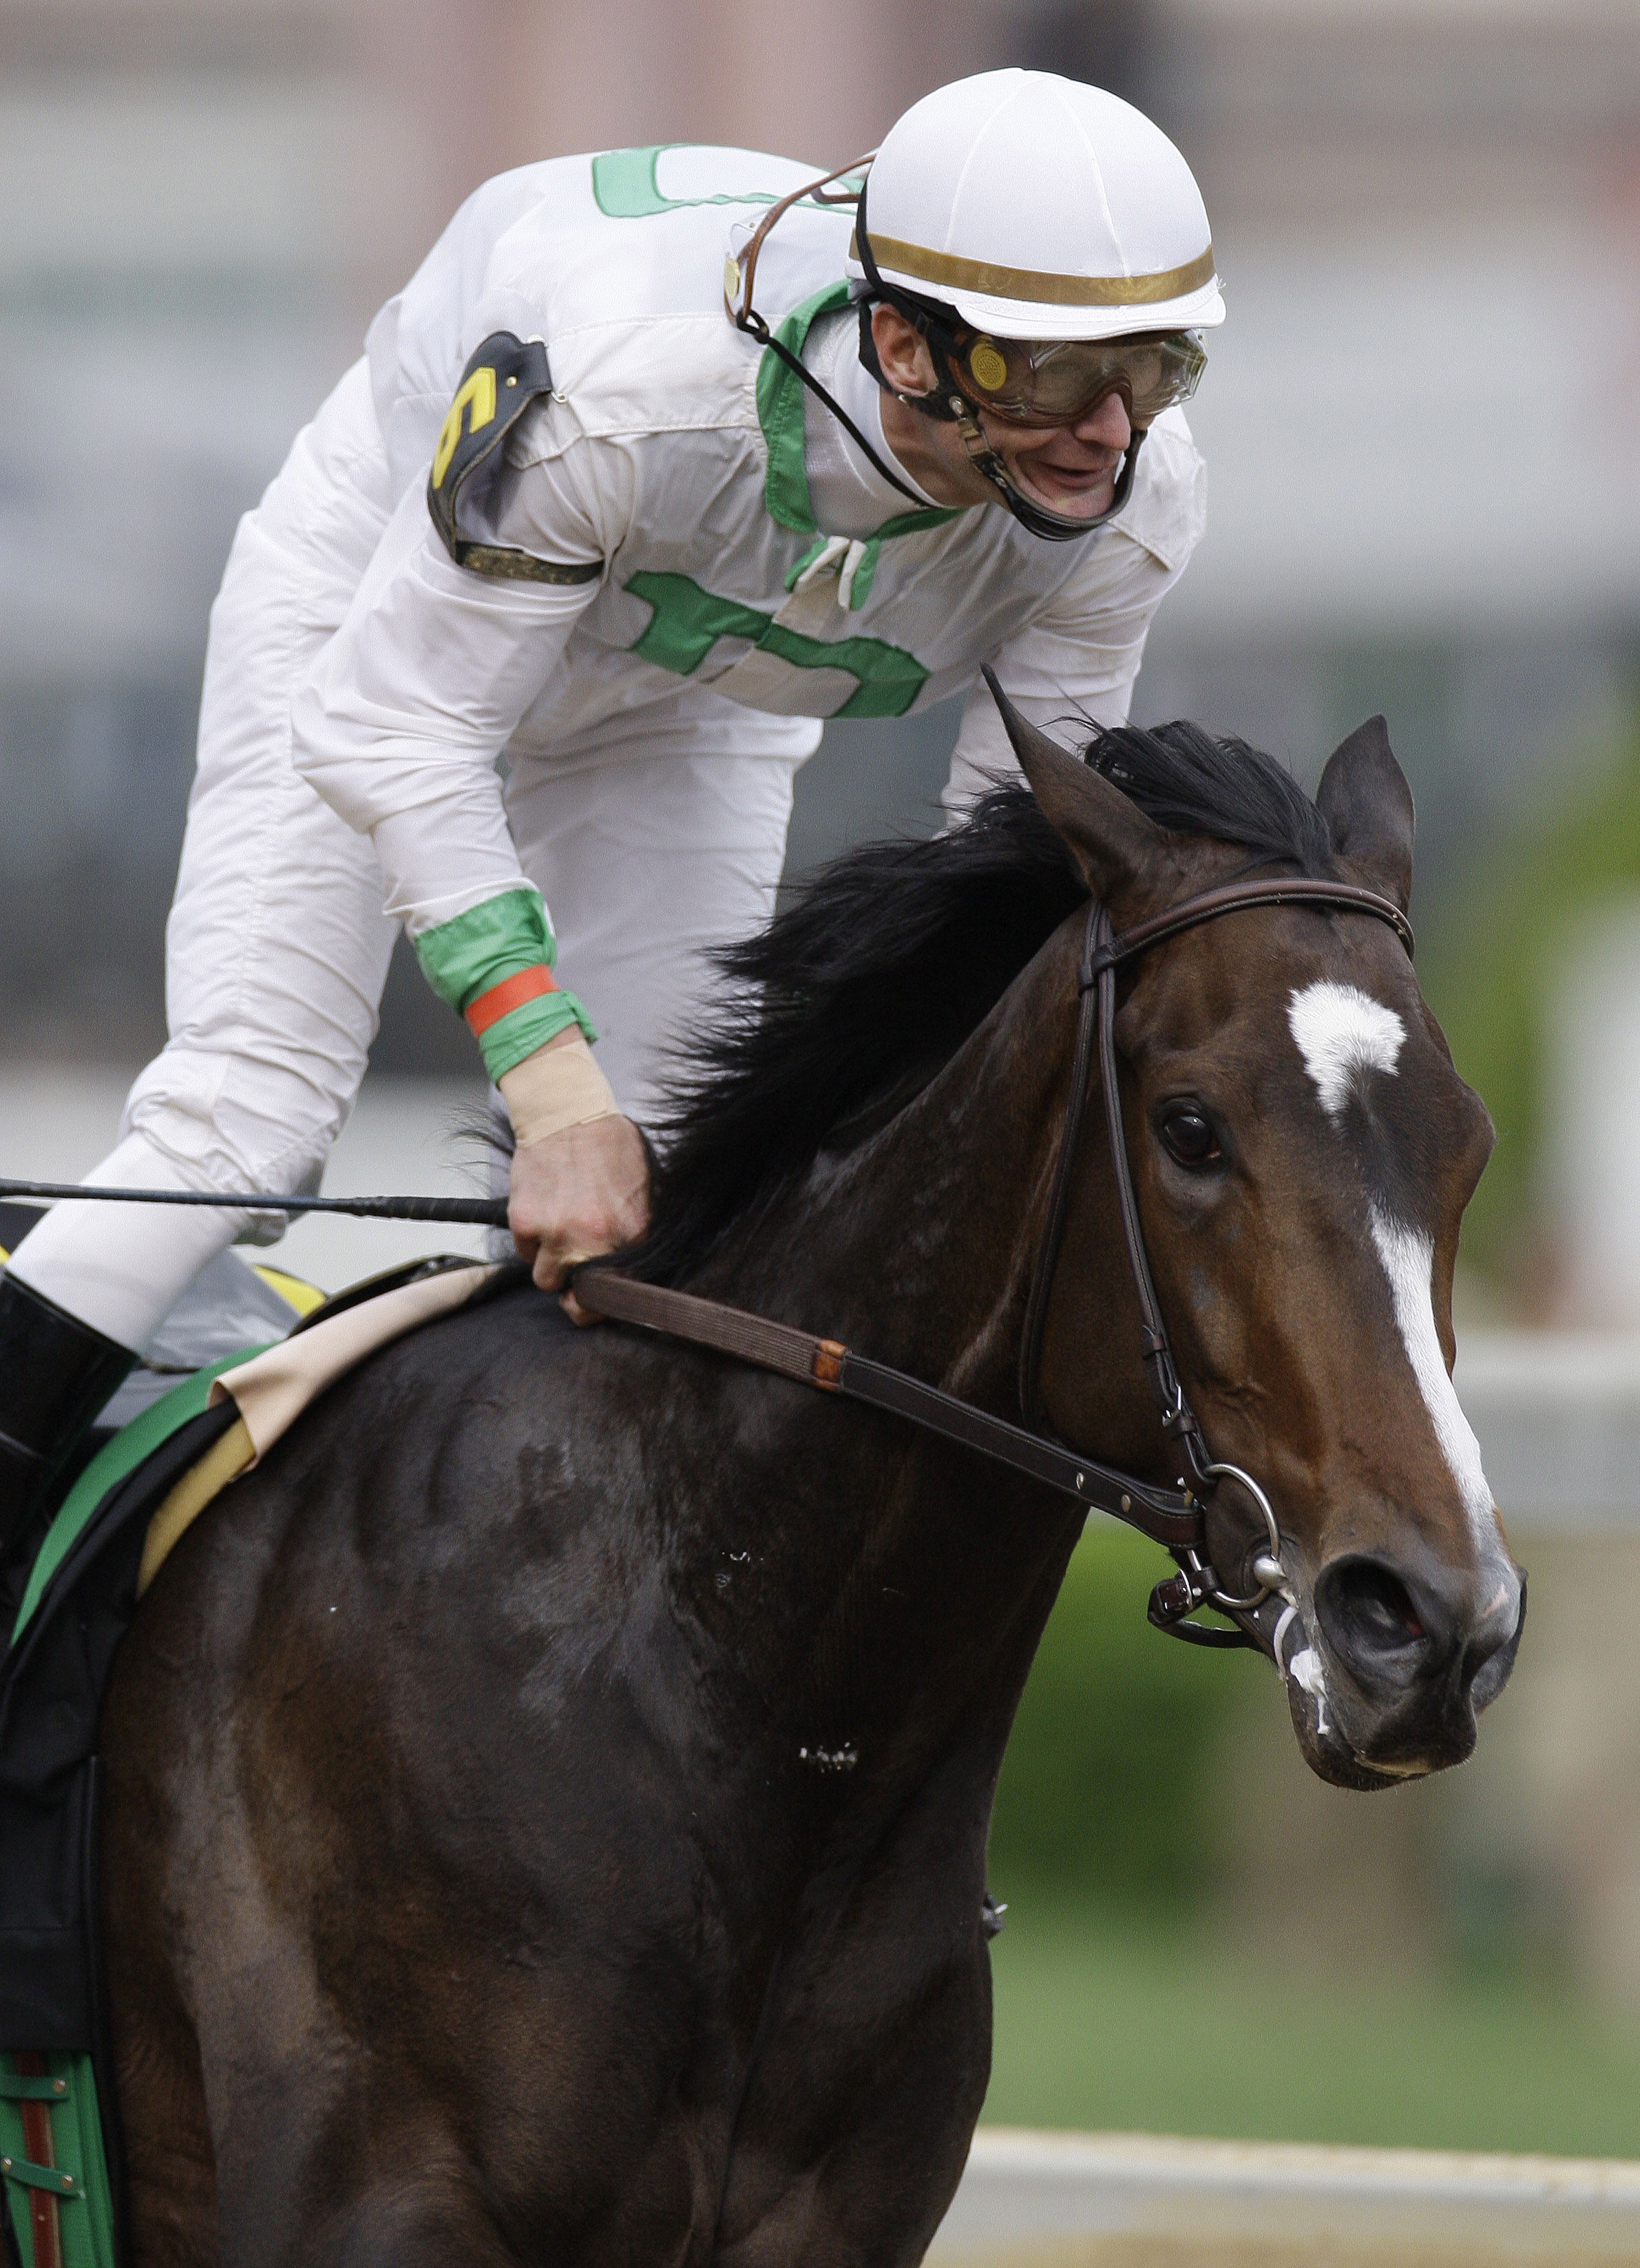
(1101, 2024)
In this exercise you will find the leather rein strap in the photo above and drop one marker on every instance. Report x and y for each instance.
(1170, 1517)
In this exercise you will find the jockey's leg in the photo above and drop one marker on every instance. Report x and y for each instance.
(57, 1373)
(277, 951)
(649, 860)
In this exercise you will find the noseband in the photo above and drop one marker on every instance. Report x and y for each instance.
(1171, 1517)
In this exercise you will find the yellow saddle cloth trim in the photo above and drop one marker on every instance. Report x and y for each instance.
(223, 1462)
(298, 1293)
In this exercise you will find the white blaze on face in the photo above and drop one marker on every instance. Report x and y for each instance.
(1342, 1033)
(1408, 1258)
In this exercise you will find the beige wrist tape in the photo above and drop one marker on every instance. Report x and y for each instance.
(554, 1088)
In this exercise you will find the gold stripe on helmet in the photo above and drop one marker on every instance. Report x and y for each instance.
(951, 273)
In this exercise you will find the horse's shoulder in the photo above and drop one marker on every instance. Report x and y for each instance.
(510, 1332)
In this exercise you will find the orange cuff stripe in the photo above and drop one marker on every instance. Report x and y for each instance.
(512, 992)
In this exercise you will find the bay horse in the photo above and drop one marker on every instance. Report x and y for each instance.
(547, 1799)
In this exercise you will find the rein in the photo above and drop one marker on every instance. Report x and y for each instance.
(1170, 1517)
(1173, 1518)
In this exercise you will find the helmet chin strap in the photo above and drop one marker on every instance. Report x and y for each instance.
(1052, 526)
(941, 406)
(950, 407)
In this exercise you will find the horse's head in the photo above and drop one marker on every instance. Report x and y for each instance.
(1301, 1150)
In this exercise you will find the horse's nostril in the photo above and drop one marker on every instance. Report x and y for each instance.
(1490, 1662)
(1367, 1611)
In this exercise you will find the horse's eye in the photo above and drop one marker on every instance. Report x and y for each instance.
(1190, 1136)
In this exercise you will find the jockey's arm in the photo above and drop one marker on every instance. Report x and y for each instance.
(398, 727)
(1079, 658)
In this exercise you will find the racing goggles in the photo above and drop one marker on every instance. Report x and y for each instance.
(1056, 381)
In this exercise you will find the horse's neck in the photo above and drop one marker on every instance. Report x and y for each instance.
(917, 1247)
(909, 1572)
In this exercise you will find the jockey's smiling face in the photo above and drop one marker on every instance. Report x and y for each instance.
(1071, 469)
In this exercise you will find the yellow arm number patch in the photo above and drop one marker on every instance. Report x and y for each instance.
(477, 398)
(500, 381)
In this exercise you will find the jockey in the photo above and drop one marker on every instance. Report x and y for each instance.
(662, 457)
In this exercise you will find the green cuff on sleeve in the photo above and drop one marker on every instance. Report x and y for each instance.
(464, 957)
(522, 1030)
(493, 940)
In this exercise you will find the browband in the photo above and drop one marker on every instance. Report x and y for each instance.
(1230, 898)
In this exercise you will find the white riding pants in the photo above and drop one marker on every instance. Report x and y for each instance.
(648, 855)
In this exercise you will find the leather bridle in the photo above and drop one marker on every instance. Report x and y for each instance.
(1102, 954)
(1173, 1518)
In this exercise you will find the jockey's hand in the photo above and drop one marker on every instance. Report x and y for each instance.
(578, 1191)
(575, 1194)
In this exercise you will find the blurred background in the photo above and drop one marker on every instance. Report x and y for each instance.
(1421, 423)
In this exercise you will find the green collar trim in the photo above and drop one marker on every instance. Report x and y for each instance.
(780, 413)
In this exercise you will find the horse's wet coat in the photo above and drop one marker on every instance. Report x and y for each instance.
(479, 1882)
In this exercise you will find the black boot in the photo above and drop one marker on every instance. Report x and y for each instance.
(55, 1374)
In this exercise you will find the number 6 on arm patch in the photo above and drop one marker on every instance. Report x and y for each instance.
(503, 378)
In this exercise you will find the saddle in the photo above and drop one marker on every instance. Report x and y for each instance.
(61, 2168)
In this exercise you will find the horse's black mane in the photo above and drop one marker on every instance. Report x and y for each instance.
(860, 991)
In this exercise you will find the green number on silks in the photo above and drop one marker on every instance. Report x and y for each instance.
(688, 621)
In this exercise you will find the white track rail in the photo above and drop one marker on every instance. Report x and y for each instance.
(1031, 2200)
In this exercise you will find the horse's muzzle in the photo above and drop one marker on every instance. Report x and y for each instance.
(1416, 1653)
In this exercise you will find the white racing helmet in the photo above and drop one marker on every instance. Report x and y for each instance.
(1026, 224)
(1051, 245)
(1041, 208)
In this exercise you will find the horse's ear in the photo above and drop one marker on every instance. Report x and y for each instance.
(1367, 805)
(1110, 838)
